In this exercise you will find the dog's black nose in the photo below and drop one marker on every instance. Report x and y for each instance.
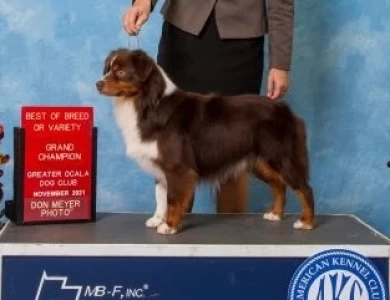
(99, 85)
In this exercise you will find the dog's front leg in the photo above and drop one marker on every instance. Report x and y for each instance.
(181, 186)
(160, 214)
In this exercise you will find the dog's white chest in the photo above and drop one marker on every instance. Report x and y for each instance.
(143, 152)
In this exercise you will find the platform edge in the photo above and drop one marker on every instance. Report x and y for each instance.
(383, 236)
(185, 250)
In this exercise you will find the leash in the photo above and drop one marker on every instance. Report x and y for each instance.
(137, 44)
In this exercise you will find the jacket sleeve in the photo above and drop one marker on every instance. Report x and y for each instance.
(280, 36)
(153, 2)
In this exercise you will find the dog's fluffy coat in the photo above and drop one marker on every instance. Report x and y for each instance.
(182, 138)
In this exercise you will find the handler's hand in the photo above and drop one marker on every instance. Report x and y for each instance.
(136, 15)
(278, 83)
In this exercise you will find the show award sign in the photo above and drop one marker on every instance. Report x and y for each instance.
(55, 166)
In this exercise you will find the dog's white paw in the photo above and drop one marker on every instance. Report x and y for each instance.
(165, 229)
(300, 225)
(271, 216)
(154, 221)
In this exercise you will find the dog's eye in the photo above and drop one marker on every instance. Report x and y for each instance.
(120, 73)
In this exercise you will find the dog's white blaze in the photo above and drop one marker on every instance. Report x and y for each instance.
(113, 60)
(142, 152)
(109, 73)
(170, 87)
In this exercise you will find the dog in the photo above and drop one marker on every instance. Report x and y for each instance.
(183, 138)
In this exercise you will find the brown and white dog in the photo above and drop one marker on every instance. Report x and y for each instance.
(183, 138)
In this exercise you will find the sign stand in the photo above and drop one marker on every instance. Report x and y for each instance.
(58, 191)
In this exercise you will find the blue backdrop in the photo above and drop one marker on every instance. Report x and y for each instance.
(51, 52)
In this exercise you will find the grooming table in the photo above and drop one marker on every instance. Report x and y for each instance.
(218, 257)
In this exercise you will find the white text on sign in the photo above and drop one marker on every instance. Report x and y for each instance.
(55, 208)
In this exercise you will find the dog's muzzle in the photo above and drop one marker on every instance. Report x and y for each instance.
(100, 85)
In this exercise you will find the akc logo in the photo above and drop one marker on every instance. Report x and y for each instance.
(337, 275)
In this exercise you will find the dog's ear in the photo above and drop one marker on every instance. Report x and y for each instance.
(107, 62)
(155, 93)
(143, 65)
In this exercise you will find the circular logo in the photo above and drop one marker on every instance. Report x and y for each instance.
(337, 275)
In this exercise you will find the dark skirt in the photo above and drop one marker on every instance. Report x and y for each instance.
(206, 63)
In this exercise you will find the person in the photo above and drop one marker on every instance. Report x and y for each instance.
(218, 46)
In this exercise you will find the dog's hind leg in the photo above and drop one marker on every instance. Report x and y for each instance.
(295, 170)
(265, 173)
(305, 194)
(181, 186)
(278, 183)
(295, 175)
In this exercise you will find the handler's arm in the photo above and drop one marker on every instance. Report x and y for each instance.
(137, 14)
(281, 27)
(152, 2)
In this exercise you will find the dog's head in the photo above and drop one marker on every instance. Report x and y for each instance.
(124, 73)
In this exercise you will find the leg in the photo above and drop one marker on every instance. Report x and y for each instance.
(159, 216)
(264, 172)
(191, 203)
(181, 186)
(305, 195)
(278, 185)
(277, 209)
(232, 195)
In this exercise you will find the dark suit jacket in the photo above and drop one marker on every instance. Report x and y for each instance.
(239, 19)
